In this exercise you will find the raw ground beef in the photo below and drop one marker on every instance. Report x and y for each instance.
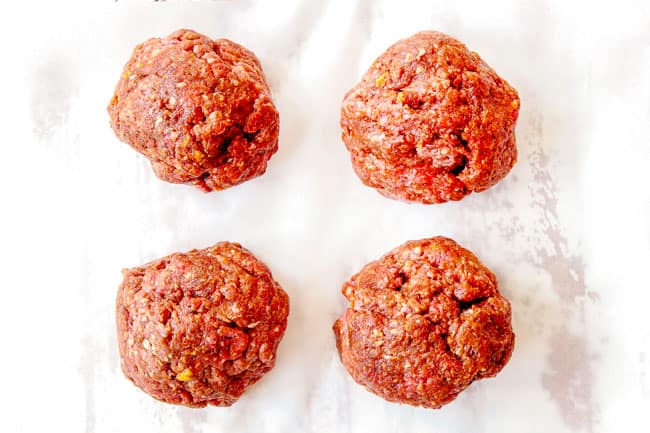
(199, 109)
(430, 121)
(423, 322)
(198, 328)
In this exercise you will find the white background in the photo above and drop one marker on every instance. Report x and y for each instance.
(567, 232)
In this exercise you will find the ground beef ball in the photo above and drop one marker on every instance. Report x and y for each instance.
(198, 328)
(199, 110)
(430, 121)
(423, 322)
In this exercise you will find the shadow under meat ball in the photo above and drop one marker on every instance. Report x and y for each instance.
(198, 328)
(423, 322)
(430, 121)
(199, 109)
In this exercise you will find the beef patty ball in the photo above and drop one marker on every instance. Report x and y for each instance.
(199, 109)
(198, 328)
(423, 322)
(430, 121)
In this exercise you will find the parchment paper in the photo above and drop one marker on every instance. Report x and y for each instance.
(566, 232)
